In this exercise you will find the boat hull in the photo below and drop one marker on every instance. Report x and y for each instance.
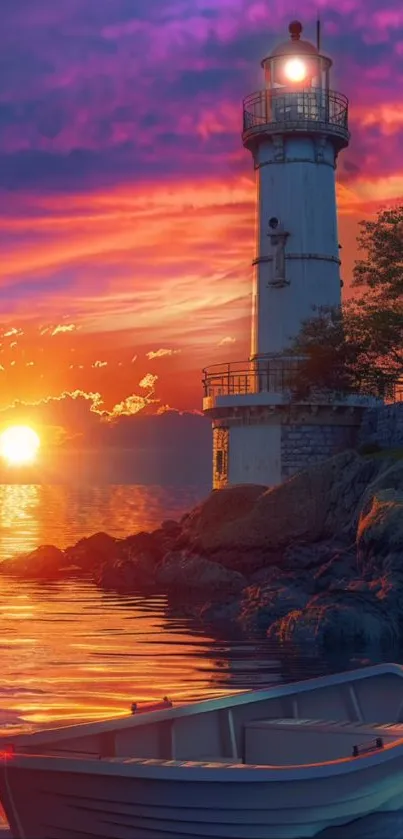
(282, 765)
(235, 803)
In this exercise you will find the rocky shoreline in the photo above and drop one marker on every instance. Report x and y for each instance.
(316, 561)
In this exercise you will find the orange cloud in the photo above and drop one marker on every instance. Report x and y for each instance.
(128, 406)
(12, 332)
(148, 381)
(227, 340)
(160, 353)
(68, 327)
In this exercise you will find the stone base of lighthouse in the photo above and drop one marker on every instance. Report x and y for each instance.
(267, 444)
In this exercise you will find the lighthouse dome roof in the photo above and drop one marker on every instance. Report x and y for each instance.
(295, 46)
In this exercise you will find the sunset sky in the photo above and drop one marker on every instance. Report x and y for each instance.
(128, 202)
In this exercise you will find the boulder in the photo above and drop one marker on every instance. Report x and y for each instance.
(223, 611)
(311, 506)
(213, 611)
(380, 533)
(267, 577)
(171, 527)
(345, 495)
(44, 563)
(127, 575)
(354, 618)
(300, 557)
(248, 561)
(89, 553)
(221, 508)
(263, 605)
(152, 545)
(181, 571)
(337, 572)
(389, 476)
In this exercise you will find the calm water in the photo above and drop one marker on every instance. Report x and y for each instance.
(36, 515)
(71, 652)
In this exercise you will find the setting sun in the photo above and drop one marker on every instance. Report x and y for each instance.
(19, 444)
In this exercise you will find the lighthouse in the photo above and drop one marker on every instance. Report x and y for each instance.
(294, 127)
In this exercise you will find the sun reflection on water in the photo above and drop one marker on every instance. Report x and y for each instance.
(82, 654)
(19, 517)
(31, 515)
(70, 651)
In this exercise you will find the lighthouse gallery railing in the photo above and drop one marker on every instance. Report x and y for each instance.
(272, 375)
(271, 108)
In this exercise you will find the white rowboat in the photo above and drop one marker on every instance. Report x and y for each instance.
(281, 763)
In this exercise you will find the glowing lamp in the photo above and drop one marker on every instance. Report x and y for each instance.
(295, 70)
(8, 752)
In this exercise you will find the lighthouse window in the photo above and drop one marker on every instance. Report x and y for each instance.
(219, 463)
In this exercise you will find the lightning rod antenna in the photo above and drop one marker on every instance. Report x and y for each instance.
(318, 33)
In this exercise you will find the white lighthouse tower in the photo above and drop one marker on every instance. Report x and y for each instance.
(295, 128)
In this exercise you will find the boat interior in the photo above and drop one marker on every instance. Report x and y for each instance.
(285, 725)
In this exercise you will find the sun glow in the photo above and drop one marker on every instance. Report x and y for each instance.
(295, 70)
(19, 445)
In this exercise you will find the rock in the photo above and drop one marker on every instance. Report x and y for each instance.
(389, 475)
(91, 552)
(134, 569)
(221, 508)
(266, 576)
(191, 573)
(171, 527)
(153, 545)
(345, 495)
(44, 563)
(310, 506)
(305, 557)
(214, 611)
(247, 561)
(348, 618)
(263, 605)
(340, 569)
(101, 543)
(225, 611)
(127, 575)
(380, 533)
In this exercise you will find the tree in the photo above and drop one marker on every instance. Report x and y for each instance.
(358, 347)
(381, 269)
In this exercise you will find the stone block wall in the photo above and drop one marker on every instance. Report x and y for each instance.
(383, 425)
(302, 445)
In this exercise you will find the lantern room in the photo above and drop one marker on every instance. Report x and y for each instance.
(296, 64)
(297, 95)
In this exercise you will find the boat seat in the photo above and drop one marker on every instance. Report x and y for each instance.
(222, 761)
(302, 741)
(203, 759)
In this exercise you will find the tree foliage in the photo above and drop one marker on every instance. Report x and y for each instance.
(381, 268)
(358, 347)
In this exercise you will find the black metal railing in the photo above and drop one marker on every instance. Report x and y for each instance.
(275, 108)
(271, 375)
(280, 374)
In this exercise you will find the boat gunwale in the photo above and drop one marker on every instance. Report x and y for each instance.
(76, 730)
(192, 770)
